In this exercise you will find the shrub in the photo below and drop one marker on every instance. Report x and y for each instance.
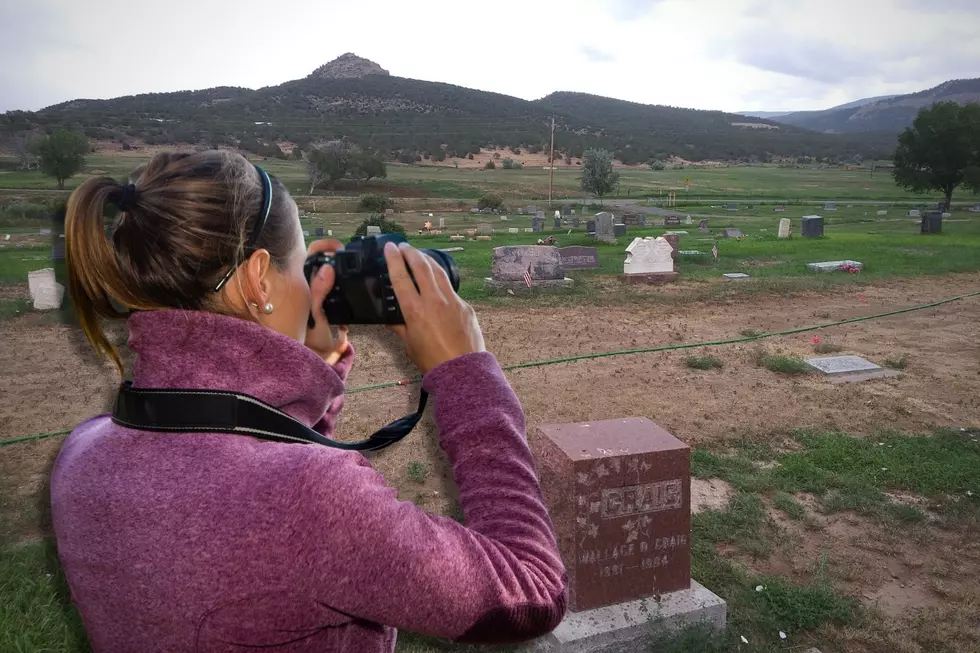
(490, 165)
(376, 203)
(387, 226)
(898, 363)
(656, 164)
(417, 471)
(708, 362)
(489, 201)
(780, 363)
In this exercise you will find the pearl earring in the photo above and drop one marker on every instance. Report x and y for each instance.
(267, 308)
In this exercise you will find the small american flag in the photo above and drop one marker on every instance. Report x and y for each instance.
(714, 251)
(527, 276)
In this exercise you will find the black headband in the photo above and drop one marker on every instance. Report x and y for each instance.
(259, 223)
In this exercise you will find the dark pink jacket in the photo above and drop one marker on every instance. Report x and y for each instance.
(214, 542)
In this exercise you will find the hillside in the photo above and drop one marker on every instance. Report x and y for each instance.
(403, 118)
(891, 114)
(638, 132)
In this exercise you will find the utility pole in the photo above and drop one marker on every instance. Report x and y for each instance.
(551, 178)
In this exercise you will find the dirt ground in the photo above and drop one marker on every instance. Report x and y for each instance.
(49, 381)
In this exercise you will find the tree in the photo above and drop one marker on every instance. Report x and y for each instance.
(329, 162)
(61, 155)
(598, 176)
(23, 148)
(316, 173)
(367, 167)
(490, 201)
(941, 150)
(387, 226)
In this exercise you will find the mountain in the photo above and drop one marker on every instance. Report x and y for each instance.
(637, 132)
(406, 119)
(762, 114)
(850, 105)
(348, 66)
(888, 114)
(858, 103)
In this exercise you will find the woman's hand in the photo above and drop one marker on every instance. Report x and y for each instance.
(329, 342)
(439, 326)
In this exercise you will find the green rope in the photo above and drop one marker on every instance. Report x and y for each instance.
(37, 436)
(623, 352)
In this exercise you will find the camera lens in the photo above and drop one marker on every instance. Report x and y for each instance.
(447, 263)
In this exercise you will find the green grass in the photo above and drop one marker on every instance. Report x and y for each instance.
(14, 308)
(789, 505)
(707, 362)
(417, 471)
(16, 263)
(758, 616)
(35, 613)
(781, 363)
(850, 473)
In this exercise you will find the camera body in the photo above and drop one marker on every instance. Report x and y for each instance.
(362, 292)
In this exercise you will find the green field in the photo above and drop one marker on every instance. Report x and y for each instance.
(889, 247)
(752, 182)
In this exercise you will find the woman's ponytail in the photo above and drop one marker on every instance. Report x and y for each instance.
(93, 269)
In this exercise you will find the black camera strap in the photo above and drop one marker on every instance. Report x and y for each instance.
(218, 411)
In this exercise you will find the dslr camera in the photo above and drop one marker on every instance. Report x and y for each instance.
(362, 292)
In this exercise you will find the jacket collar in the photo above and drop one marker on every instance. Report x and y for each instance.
(208, 351)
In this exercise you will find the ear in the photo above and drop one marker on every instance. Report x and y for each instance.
(255, 276)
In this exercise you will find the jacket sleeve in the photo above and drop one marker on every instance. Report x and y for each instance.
(342, 367)
(498, 579)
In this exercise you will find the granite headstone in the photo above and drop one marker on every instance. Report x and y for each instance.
(604, 227)
(579, 258)
(812, 226)
(619, 494)
(510, 263)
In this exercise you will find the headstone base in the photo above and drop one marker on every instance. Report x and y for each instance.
(650, 278)
(628, 627)
(833, 266)
(536, 284)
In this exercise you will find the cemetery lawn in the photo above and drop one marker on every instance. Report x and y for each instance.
(890, 247)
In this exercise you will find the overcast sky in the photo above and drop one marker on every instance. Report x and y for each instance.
(707, 54)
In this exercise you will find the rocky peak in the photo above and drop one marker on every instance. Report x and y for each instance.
(347, 66)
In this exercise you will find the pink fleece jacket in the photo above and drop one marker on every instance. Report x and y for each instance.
(216, 542)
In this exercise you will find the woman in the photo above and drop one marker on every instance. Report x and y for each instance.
(221, 542)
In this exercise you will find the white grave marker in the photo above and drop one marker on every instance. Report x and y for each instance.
(784, 227)
(646, 255)
(832, 365)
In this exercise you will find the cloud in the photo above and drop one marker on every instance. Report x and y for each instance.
(942, 6)
(819, 61)
(596, 56)
(631, 9)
